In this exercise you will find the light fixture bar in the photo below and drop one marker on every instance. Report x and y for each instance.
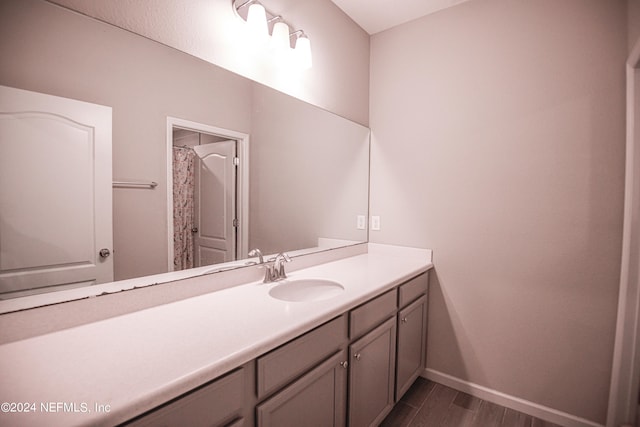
(298, 33)
(246, 3)
(302, 49)
(274, 16)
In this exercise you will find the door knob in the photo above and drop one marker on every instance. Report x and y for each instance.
(104, 253)
(194, 229)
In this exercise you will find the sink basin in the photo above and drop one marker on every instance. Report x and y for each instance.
(306, 290)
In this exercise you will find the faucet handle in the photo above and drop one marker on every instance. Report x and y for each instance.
(283, 256)
(278, 264)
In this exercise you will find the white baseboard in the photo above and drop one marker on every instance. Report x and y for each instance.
(493, 396)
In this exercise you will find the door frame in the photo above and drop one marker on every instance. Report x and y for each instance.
(625, 376)
(242, 197)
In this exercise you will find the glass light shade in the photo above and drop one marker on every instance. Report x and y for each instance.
(257, 20)
(280, 36)
(303, 52)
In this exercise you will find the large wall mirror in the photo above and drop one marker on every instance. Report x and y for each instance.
(306, 173)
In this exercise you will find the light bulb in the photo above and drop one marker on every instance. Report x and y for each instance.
(257, 20)
(303, 52)
(280, 36)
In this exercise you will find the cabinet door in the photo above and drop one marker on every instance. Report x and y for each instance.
(371, 376)
(412, 336)
(317, 399)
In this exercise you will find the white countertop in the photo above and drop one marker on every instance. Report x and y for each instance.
(140, 360)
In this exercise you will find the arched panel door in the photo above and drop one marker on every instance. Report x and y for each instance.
(55, 193)
(215, 203)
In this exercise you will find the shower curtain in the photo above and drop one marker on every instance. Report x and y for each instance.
(183, 208)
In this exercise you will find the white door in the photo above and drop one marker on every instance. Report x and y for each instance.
(55, 192)
(215, 203)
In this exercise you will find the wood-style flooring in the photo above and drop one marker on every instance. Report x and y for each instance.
(428, 404)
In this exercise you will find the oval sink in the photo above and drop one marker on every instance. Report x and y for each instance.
(306, 290)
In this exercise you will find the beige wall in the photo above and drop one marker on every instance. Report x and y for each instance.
(498, 142)
(62, 53)
(210, 30)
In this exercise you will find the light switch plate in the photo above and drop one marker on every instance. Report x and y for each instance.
(375, 223)
(362, 222)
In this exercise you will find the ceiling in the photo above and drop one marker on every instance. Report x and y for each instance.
(378, 15)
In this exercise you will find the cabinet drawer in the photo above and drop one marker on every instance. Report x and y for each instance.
(371, 314)
(286, 363)
(215, 404)
(413, 289)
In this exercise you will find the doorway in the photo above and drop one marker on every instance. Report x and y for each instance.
(207, 197)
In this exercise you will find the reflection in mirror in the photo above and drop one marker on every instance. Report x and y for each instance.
(205, 198)
(305, 171)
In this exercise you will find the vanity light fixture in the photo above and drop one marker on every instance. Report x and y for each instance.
(260, 19)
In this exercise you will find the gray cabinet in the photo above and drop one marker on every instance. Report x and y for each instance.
(372, 313)
(412, 289)
(412, 337)
(348, 371)
(371, 375)
(281, 366)
(309, 378)
(317, 399)
(218, 403)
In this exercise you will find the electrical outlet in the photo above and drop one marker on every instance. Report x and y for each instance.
(375, 223)
(362, 222)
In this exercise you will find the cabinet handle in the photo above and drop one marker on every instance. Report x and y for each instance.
(357, 356)
(344, 364)
(404, 320)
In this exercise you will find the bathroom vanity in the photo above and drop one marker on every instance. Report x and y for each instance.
(304, 381)
(237, 356)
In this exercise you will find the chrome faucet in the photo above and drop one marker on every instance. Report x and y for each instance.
(256, 252)
(278, 265)
(274, 268)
